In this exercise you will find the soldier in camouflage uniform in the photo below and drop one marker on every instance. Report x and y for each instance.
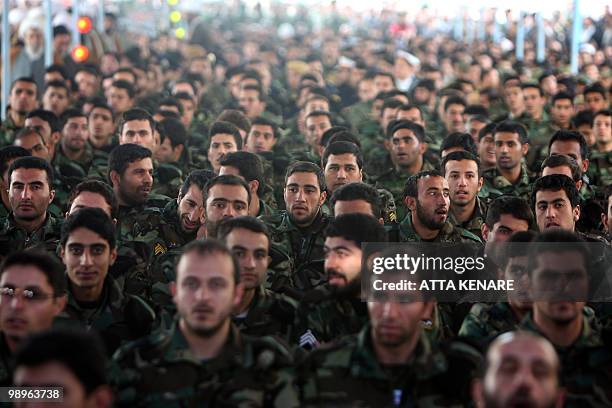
(22, 100)
(29, 224)
(202, 359)
(601, 159)
(510, 176)
(406, 145)
(297, 232)
(248, 166)
(523, 351)
(462, 172)
(95, 299)
(37, 279)
(8, 155)
(74, 146)
(389, 367)
(586, 359)
(261, 311)
(336, 309)
(427, 197)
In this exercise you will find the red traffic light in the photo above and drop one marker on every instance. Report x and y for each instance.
(80, 53)
(84, 25)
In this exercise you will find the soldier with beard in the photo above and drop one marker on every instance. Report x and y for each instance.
(22, 100)
(224, 197)
(427, 196)
(522, 369)
(336, 309)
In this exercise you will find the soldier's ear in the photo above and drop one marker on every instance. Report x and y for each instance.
(238, 294)
(101, 397)
(576, 212)
(585, 165)
(410, 203)
(113, 255)
(477, 391)
(114, 178)
(604, 221)
(253, 185)
(480, 183)
(387, 144)
(323, 197)
(172, 288)
(484, 229)
(525, 148)
(51, 195)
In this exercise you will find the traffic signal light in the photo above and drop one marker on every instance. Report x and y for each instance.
(80, 53)
(84, 25)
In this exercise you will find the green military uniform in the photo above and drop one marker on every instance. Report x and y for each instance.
(485, 321)
(117, 317)
(347, 373)
(394, 181)
(304, 246)
(601, 163)
(13, 238)
(275, 165)
(161, 371)
(4, 212)
(268, 314)
(539, 130)
(85, 160)
(405, 232)
(498, 185)
(586, 365)
(357, 113)
(474, 223)
(330, 314)
(7, 131)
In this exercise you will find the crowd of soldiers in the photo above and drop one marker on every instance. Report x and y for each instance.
(182, 222)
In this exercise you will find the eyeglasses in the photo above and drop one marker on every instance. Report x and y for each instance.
(26, 294)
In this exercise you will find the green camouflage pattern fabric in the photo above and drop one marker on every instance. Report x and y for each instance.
(539, 130)
(601, 163)
(269, 314)
(7, 131)
(117, 317)
(304, 248)
(476, 220)
(486, 321)
(13, 238)
(586, 365)
(498, 185)
(330, 314)
(61, 161)
(161, 371)
(348, 374)
(394, 182)
(405, 232)
(275, 165)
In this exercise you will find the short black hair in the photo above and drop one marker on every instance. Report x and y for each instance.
(8, 153)
(57, 84)
(414, 127)
(411, 188)
(584, 117)
(542, 243)
(89, 68)
(260, 93)
(123, 155)
(343, 136)
(307, 167)
(561, 96)
(571, 136)
(509, 251)
(510, 126)
(71, 113)
(531, 85)
(459, 139)
(390, 103)
(459, 156)
(517, 207)
(595, 87)
(173, 130)
(329, 133)
(171, 101)
(489, 129)
(359, 191)
(249, 166)
(556, 182)
(47, 116)
(454, 100)
(29, 80)
(46, 263)
(356, 227)
(603, 112)
(93, 219)
(57, 68)
(221, 127)
(198, 178)
(31, 162)
(245, 222)
(558, 160)
(136, 114)
(97, 187)
(236, 118)
(338, 148)
(123, 84)
(96, 104)
(261, 121)
(212, 247)
(80, 351)
(316, 113)
(226, 180)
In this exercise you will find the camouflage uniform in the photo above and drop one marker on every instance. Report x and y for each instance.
(586, 365)
(485, 321)
(268, 314)
(347, 373)
(498, 185)
(7, 131)
(601, 163)
(405, 232)
(161, 371)
(117, 317)
(304, 246)
(330, 314)
(14, 238)
(61, 161)
(476, 220)
(394, 181)
(539, 131)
